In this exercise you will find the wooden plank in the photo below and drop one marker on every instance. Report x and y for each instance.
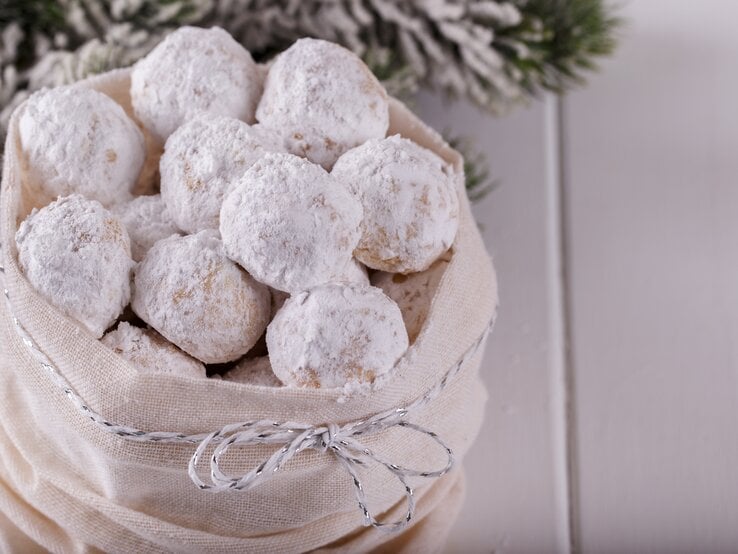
(653, 201)
(515, 498)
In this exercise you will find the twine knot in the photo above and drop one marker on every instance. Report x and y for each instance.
(330, 435)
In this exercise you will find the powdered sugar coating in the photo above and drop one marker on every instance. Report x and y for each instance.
(188, 290)
(193, 72)
(354, 272)
(253, 371)
(149, 352)
(78, 140)
(413, 293)
(336, 335)
(203, 160)
(77, 255)
(289, 223)
(411, 207)
(324, 100)
(147, 221)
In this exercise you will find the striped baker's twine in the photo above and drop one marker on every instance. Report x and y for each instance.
(342, 441)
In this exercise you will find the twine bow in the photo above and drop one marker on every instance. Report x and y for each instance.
(340, 441)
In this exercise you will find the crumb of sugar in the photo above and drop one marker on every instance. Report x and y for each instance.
(324, 100)
(289, 223)
(336, 335)
(149, 352)
(203, 160)
(147, 220)
(188, 290)
(253, 371)
(408, 233)
(413, 293)
(193, 72)
(78, 140)
(77, 255)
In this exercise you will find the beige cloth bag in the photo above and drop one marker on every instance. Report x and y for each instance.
(67, 485)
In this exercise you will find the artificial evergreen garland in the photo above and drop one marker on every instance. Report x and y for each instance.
(493, 52)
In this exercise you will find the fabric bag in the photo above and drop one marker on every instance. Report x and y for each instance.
(71, 482)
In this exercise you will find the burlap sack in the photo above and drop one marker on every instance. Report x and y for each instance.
(66, 485)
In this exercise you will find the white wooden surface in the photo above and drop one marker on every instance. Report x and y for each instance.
(649, 151)
(516, 498)
(653, 225)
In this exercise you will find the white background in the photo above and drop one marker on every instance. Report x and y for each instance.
(612, 424)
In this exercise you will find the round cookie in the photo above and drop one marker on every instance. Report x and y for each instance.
(335, 335)
(188, 290)
(253, 371)
(409, 233)
(289, 223)
(194, 72)
(77, 255)
(147, 220)
(78, 140)
(413, 293)
(203, 160)
(324, 100)
(149, 352)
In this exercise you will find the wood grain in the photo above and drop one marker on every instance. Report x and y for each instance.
(653, 201)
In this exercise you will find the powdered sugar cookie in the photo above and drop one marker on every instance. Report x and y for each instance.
(147, 220)
(149, 352)
(203, 160)
(77, 255)
(253, 371)
(335, 335)
(194, 72)
(408, 233)
(413, 293)
(289, 223)
(189, 291)
(324, 100)
(78, 140)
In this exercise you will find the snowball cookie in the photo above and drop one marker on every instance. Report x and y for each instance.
(324, 100)
(149, 352)
(408, 233)
(78, 140)
(194, 71)
(188, 290)
(253, 371)
(203, 160)
(77, 255)
(147, 220)
(334, 335)
(413, 293)
(289, 223)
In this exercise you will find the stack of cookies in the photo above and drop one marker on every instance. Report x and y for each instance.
(285, 239)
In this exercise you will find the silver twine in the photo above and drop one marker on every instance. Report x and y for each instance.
(342, 441)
